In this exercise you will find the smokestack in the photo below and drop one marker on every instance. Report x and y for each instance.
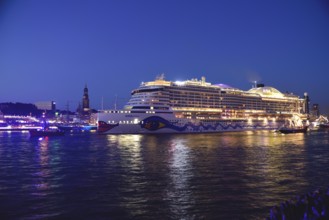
(306, 106)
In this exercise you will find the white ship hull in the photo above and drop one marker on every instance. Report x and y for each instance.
(120, 123)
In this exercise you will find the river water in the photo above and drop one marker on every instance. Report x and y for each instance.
(188, 176)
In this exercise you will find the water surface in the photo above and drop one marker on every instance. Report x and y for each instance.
(187, 176)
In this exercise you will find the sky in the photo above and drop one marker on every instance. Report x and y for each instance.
(49, 50)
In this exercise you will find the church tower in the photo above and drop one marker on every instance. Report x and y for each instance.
(85, 100)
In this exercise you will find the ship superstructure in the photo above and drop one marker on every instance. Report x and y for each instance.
(162, 106)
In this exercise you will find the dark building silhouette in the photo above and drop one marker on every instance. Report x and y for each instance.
(85, 100)
(315, 110)
(21, 109)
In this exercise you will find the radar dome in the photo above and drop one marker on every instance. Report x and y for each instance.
(267, 91)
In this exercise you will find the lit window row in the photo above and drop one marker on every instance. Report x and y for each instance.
(121, 111)
(125, 122)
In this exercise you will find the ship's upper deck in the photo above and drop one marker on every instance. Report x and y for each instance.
(160, 81)
(263, 92)
(201, 96)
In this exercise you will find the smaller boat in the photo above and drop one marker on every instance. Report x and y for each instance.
(89, 127)
(294, 125)
(76, 127)
(324, 125)
(70, 127)
(46, 132)
(322, 122)
(314, 126)
(290, 130)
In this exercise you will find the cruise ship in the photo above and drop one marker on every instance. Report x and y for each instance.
(197, 106)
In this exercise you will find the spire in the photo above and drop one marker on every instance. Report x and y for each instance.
(85, 91)
(85, 99)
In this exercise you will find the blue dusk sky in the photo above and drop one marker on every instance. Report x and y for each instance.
(49, 49)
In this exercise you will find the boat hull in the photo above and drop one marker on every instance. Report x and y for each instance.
(137, 124)
(293, 130)
(324, 126)
(76, 128)
(46, 133)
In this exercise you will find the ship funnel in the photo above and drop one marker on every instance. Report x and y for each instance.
(203, 80)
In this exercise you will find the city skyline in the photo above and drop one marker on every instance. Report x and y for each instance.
(51, 50)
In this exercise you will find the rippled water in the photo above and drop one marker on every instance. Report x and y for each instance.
(191, 176)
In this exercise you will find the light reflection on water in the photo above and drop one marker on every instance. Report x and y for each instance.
(204, 176)
(178, 192)
(43, 173)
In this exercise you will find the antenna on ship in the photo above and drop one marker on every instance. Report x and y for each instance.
(255, 85)
(115, 102)
(160, 77)
(102, 102)
(67, 111)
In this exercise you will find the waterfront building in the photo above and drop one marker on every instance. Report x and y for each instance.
(46, 105)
